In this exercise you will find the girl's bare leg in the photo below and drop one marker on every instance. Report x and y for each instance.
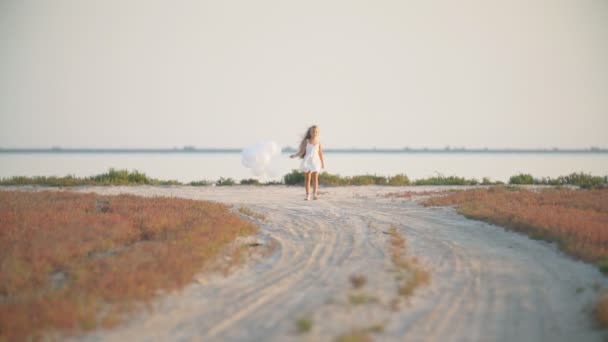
(315, 183)
(307, 182)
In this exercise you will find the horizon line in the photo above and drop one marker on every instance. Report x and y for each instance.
(190, 148)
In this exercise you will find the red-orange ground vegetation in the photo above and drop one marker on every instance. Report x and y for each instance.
(71, 262)
(576, 219)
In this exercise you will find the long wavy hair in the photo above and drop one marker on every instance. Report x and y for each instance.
(307, 136)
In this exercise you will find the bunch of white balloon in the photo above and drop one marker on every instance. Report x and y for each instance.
(262, 159)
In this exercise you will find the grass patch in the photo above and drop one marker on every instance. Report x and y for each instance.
(200, 183)
(295, 177)
(603, 265)
(409, 273)
(112, 177)
(418, 278)
(443, 180)
(582, 180)
(72, 262)
(120, 177)
(357, 335)
(376, 328)
(303, 325)
(253, 214)
(326, 179)
(361, 298)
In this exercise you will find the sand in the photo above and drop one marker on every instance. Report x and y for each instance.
(487, 284)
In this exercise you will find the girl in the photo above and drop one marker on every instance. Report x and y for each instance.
(312, 159)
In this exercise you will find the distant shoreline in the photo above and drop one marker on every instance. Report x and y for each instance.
(592, 150)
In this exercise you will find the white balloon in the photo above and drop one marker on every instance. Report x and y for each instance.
(248, 157)
(274, 170)
(261, 158)
(258, 172)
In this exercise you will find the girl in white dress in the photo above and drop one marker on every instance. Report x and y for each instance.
(311, 153)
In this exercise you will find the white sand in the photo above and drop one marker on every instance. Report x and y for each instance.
(487, 284)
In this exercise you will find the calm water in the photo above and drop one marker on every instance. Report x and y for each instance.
(186, 167)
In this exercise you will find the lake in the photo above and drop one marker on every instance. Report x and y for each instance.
(186, 167)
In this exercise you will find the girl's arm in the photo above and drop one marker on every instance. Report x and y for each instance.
(321, 156)
(302, 151)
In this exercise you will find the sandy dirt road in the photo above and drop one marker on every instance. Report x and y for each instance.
(487, 284)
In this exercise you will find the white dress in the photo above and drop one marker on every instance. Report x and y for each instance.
(311, 161)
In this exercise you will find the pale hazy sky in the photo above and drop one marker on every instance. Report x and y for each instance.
(512, 73)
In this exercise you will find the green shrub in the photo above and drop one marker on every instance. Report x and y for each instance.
(367, 180)
(122, 177)
(295, 177)
(200, 183)
(225, 181)
(69, 180)
(603, 265)
(250, 181)
(112, 177)
(399, 180)
(329, 179)
(304, 325)
(522, 178)
(585, 181)
(273, 183)
(442, 180)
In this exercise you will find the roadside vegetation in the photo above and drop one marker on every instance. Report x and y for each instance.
(295, 177)
(575, 219)
(72, 262)
(355, 335)
(303, 325)
(112, 177)
(252, 214)
(409, 273)
(582, 180)
(361, 334)
(326, 179)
